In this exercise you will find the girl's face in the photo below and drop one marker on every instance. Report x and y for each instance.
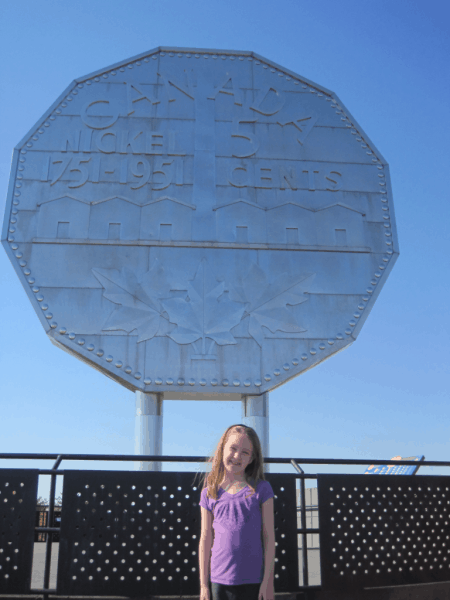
(237, 455)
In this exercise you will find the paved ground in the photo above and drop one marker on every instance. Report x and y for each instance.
(37, 575)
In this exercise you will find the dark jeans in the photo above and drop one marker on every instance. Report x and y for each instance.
(247, 591)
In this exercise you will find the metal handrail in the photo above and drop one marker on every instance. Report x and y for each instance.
(201, 459)
(46, 591)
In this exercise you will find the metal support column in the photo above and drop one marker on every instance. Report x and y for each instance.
(255, 414)
(148, 429)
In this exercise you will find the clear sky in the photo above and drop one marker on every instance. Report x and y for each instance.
(387, 394)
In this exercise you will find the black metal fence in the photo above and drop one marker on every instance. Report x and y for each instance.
(136, 533)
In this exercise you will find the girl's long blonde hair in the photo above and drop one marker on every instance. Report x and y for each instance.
(253, 472)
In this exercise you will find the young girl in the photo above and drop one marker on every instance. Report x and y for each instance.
(232, 529)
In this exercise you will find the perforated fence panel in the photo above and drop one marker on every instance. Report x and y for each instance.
(380, 531)
(18, 497)
(137, 533)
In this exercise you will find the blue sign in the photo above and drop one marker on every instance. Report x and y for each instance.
(395, 469)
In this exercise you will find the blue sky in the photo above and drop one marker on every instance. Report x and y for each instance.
(387, 394)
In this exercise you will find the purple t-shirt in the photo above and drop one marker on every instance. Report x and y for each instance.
(237, 555)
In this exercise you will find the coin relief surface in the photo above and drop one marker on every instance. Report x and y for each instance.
(200, 222)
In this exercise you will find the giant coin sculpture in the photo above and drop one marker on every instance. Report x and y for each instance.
(201, 222)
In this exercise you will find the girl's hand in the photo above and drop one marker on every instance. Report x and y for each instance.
(204, 593)
(266, 591)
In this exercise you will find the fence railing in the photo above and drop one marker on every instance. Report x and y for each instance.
(42, 521)
(340, 570)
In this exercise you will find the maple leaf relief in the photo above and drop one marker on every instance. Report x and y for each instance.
(138, 302)
(207, 311)
(267, 301)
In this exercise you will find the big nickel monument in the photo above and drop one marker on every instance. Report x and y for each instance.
(199, 225)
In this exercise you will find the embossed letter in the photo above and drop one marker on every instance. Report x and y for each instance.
(229, 91)
(71, 141)
(256, 106)
(103, 148)
(335, 185)
(155, 142)
(142, 96)
(304, 126)
(98, 124)
(186, 89)
(311, 180)
(129, 139)
(263, 177)
(289, 178)
(86, 137)
(234, 183)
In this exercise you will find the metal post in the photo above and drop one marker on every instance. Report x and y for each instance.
(148, 429)
(304, 534)
(49, 540)
(255, 414)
